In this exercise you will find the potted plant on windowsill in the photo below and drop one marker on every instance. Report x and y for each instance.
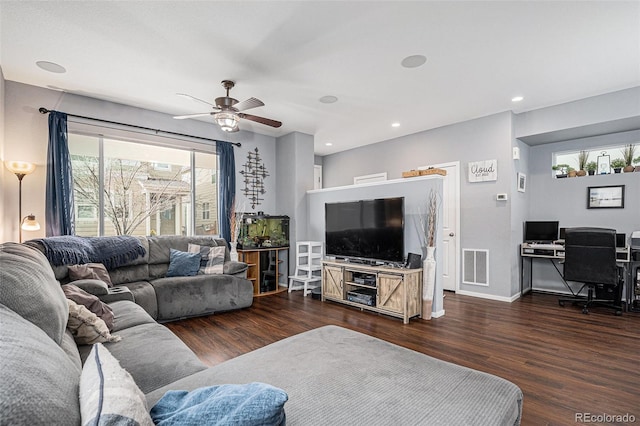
(636, 161)
(617, 164)
(563, 170)
(627, 155)
(583, 158)
(591, 167)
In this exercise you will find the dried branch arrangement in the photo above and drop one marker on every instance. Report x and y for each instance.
(428, 220)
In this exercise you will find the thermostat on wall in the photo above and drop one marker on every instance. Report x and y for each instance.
(501, 197)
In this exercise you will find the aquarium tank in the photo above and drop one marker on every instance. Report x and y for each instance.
(263, 231)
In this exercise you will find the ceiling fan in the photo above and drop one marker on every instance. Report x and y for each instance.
(228, 111)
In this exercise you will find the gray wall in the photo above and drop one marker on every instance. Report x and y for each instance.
(597, 109)
(415, 192)
(295, 163)
(485, 222)
(26, 133)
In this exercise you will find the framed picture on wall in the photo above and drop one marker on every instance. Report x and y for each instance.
(522, 182)
(605, 197)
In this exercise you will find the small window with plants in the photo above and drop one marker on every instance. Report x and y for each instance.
(597, 161)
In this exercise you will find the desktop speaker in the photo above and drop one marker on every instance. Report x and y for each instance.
(414, 261)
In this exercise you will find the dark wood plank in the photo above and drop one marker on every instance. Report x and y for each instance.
(565, 362)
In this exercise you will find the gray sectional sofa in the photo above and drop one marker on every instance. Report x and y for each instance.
(144, 281)
(331, 375)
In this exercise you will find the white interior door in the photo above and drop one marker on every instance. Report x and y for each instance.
(317, 177)
(450, 225)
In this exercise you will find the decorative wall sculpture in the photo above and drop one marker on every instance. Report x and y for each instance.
(254, 174)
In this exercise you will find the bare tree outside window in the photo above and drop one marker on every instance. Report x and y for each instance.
(134, 191)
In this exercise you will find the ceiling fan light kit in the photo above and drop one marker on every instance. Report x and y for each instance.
(226, 111)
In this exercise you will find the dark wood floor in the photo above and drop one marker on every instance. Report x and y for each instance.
(565, 362)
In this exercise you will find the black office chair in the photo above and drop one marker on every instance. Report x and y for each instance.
(590, 258)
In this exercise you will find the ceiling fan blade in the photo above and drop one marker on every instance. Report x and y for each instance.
(261, 120)
(203, 114)
(248, 103)
(184, 95)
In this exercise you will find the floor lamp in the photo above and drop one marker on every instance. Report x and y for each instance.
(21, 169)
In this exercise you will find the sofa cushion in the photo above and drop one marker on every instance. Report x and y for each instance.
(234, 404)
(211, 258)
(181, 297)
(28, 287)
(38, 382)
(108, 394)
(86, 327)
(153, 355)
(144, 295)
(89, 271)
(91, 302)
(95, 287)
(129, 314)
(183, 264)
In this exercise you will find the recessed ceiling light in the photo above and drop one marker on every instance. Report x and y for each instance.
(517, 99)
(328, 99)
(413, 61)
(328, 144)
(395, 124)
(51, 67)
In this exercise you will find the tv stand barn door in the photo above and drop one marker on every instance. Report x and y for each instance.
(391, 291)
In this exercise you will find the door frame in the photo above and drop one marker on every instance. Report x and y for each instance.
(457, 224)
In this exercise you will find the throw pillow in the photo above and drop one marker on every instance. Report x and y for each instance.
(247, 405)
(212, 258)
(91, 271)
(91, 302)
(86, 327)
(183, 264)
(108, 394)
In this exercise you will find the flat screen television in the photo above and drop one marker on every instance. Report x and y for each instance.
(366, 229)
(541, 231)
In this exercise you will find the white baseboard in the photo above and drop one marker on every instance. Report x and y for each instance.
(489, 296)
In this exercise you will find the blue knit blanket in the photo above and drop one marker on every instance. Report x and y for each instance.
(112, 252)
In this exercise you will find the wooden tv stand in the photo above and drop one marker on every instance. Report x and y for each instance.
(392, 291)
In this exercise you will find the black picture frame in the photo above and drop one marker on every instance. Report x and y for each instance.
(605, 197)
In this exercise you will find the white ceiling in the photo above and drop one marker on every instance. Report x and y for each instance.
(291, 53)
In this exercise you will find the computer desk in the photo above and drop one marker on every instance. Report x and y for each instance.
(555, 252)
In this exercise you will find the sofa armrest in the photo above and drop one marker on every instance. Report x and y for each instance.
(232, 267)
(116, 294)
(95, 287)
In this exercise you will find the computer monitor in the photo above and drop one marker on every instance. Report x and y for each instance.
(621, 240)
(540, 231)
(563, 233)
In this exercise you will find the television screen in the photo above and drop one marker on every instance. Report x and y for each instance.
(366, 229)
(541, 231)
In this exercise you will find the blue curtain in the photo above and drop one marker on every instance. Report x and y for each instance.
(227, 188)
(59, 188)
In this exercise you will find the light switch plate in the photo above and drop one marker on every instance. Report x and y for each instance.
(516, 153)
(501, 197)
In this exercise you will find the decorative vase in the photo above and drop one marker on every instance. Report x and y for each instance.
(233, 252)
(581, 173)
(628, 169)
(428, 282)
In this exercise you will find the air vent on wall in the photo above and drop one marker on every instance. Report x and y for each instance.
(475, 267)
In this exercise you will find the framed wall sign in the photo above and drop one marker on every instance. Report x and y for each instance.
(522, 182)
(604, 164)
(605, 197)
(482, 171)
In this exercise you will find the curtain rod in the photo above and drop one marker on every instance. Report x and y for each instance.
(47, 111)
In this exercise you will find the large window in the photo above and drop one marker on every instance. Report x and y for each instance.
(127, 188)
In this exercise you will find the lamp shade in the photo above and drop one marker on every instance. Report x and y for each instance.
(20, 167)
(29, 223)
(227, 121)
